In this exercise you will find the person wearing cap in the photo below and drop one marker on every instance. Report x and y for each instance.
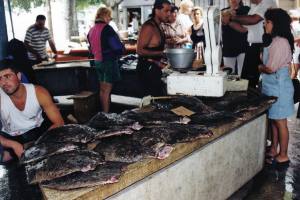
(150, 47)
(176, 37)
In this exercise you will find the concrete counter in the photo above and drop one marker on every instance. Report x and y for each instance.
(210, 168)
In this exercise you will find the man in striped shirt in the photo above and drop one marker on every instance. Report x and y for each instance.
(35, 41)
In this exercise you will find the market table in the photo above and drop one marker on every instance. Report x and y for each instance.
(211, 168)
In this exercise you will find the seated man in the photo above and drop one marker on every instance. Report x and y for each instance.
(22, 107)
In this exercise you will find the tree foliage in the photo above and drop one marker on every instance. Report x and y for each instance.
(27, 4)
(81, 4)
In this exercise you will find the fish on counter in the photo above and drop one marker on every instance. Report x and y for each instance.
(173, 133)
(43, 150)
(126, 149)
(109, 172)
(106, 121)
(241, 103)
(154, 142)
(73, 133)
(189, 102)
(156, 117)
(63, 164)
(214, 118)
(118, 130)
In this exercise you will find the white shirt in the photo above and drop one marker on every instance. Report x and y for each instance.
(296, 33)
(185, 21)
(17, 122)
(256, 31)
(114, 26)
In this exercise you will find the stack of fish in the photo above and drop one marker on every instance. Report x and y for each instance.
(75, 156)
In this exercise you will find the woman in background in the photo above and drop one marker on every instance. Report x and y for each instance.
(276, 81)
(106, 47)
(196, 31)
(176, 37)
(185, 10)
(234, 37)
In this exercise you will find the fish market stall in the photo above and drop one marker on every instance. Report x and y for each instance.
(69, 78)
(209, 167)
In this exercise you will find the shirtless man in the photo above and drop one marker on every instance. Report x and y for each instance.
(150, 46)
(21, 107)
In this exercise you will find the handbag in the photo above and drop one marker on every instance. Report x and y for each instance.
(296, 84)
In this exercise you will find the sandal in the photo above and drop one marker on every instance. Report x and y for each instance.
(274, 163)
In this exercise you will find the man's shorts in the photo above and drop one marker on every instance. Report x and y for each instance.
(108, 71)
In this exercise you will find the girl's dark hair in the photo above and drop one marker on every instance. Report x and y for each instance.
(281, 24)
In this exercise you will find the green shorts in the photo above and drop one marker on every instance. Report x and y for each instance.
(108, 71)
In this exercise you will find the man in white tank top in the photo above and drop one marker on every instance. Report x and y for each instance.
(21, 107)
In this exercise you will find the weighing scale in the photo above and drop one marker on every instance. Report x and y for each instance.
(213, 81)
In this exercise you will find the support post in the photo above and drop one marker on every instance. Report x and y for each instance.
(3, 31)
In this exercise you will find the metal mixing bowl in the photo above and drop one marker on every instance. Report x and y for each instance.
(180, 58)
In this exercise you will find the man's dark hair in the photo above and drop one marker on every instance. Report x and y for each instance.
(8, 64)
(174, 8)
(159, 4)
(40, 17)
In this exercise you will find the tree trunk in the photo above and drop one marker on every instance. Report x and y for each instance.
(49, 16)
(68, 19)
(73, 18)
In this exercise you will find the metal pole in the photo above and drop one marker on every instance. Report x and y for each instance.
(3, 31)
(11, 20)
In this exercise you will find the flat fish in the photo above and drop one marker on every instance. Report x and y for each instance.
(113, 132)
(107, 173)
(43, 150)
(156, 117)
(189, 102)
(172, 134)
(126, 149)
(242, 103)
(63, 164)
(105, 121)
(73, 133)
(214, 118)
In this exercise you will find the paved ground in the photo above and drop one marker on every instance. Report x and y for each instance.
(271, 184)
